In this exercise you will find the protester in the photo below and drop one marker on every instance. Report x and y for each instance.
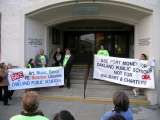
(121, 106)
(58, 57)
(31, 63)
(10, 92)
(64, 115)
(102, 51)
(116, 117)
(30, 103)
(143, 57)
(41, 60)
(67, 63)
(4, 93)
(135, 90)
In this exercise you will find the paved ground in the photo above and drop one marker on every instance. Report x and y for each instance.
(81, 111)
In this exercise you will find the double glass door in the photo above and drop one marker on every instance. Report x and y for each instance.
(84, 45)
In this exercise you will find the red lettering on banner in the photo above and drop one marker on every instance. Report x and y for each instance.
(146, 77)
(38, 77)
(17, 75)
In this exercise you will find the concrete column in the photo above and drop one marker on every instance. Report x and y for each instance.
(12, 37)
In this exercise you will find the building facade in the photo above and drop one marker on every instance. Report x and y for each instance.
(126, 27)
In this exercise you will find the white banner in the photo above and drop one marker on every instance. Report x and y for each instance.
(130, 72)
(23, 78)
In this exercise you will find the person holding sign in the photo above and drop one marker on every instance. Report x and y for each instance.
(142, 57)
(58, 57)
(41, 59)
(102, 51)
(31, 64)
(67, 64)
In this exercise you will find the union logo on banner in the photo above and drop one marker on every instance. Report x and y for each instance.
(146, 77)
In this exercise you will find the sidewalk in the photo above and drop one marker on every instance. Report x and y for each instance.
(81, 110)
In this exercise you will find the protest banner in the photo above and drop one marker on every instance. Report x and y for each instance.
(130, 72)
(23, 78)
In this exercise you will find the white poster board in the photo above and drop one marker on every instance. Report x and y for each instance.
(23, 78)
(130, 72)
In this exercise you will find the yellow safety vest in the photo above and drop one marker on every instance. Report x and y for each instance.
(102, 53)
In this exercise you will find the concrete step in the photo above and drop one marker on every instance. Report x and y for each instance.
(79, 72)
(56, 91)
(109, 93)
(77, 77)
(78, 86)
(95, 87)
(107, 87)
(73, 81)
(80, 66)
(100, 82)
(93, 82)
(81, 81)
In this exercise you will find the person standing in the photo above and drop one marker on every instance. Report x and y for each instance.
(67, 64)
(31, 63)
(41, 60)
(10, 92)
(142, 57)
(58, 57)
(4, 93)
(102, 51)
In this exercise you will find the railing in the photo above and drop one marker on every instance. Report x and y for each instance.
(87, 75)
(85, 81)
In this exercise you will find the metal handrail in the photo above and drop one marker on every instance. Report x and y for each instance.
(85, 81)
(86, 76)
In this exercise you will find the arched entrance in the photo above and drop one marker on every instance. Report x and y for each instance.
(102, 18)
(84, 37)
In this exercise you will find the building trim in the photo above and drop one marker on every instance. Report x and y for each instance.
(109, 2)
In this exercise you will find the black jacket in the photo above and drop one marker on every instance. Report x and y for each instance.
(58, 62)
(69, 64)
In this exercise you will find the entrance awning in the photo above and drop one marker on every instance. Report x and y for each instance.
(110, 10)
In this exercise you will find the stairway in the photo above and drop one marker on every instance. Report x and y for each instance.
(77, 77)
(76, 90)
(96, 90)
(104, 89)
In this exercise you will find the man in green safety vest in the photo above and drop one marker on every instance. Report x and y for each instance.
(41, 60)
(102, 51)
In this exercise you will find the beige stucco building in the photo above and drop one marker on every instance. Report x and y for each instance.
(130, 27)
